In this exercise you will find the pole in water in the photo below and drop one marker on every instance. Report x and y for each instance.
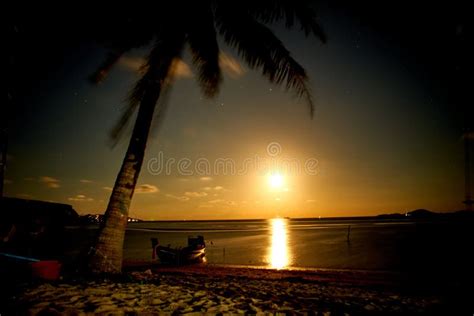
(349, 233)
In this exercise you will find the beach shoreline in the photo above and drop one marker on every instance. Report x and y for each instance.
(211, 289)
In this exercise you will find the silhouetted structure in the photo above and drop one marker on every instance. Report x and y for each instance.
(34, 228)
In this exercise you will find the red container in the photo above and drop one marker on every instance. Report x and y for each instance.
(46, 270)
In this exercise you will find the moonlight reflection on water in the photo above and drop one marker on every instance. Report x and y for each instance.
(279, 255)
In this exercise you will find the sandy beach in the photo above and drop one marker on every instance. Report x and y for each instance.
(237, 157)
(231, 290)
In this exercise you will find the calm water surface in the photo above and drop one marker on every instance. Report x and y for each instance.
(284, 243)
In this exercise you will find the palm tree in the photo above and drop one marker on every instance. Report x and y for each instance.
(166, 30)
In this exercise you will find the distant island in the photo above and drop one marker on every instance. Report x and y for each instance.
(426, 214)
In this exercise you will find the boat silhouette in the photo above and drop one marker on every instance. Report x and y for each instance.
(195, 252)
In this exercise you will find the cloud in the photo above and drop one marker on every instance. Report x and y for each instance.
(80, 198)
(223, 202)
(195, 194)
(310, 201)
(180, 69)
(231, 66)
(136, 64)
(131, 63)
(85, 181)
(205, 178)
(50, 182)
(146, 188)
(216, 201)
(216, 188)
(181, 198)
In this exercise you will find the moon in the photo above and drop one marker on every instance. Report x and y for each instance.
(275, 180)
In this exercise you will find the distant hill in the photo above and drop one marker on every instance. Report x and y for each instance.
(392, 216)
(426, 214)
(421, 213)
(34, 228)
(16, 210)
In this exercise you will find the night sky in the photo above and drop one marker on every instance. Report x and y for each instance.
(390, 90)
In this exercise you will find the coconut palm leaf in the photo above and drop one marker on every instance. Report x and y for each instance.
(292, 12)
(157, 75)
(205, 51)
(126, 33)
(262, 50)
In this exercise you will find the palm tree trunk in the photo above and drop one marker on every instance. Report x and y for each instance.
(106, 256)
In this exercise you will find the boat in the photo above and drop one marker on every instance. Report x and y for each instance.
(195, 252)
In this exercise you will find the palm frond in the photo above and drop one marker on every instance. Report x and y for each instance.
(307, 18)
(162, 104)
(157, 75)
(121, 35)
(291, 11)
(120, 125)
(205, 50)
(262, 50)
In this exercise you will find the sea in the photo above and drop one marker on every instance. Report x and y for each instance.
(283, 243)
